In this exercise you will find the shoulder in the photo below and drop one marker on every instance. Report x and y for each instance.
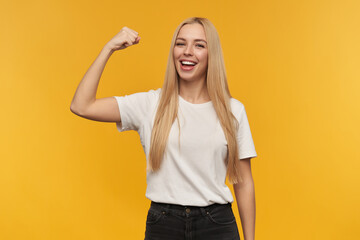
(156, 92)
(143, 100)
(237, 107)
(153, 93)
(148, 95)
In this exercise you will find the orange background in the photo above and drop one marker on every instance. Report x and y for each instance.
(295, 65)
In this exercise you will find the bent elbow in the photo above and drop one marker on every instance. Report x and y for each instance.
(75, 110)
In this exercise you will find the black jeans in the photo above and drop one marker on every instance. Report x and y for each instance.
(175, 222)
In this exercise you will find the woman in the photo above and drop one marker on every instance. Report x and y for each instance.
(193, 134)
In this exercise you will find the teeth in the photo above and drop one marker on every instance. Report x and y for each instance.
(188, 63)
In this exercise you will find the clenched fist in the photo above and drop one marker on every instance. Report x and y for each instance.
(125, 38)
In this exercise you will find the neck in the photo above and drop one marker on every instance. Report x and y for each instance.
(194, 91)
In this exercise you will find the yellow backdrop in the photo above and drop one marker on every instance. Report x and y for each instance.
(294, 65)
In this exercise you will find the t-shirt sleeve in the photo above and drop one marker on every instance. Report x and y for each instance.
(245, 141)
(134, 109)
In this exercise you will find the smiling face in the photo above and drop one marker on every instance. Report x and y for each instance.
(191, 52)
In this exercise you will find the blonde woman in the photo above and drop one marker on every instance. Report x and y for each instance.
(193, 132)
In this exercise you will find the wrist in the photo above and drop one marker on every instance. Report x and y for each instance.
(108, 49)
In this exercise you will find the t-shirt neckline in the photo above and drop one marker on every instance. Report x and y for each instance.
(196, 105)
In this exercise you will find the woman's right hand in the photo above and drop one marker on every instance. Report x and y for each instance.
(123, 39)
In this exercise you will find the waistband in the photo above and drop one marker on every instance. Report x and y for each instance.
(186, 209)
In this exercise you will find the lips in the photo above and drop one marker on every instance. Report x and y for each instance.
(187, 67)
(188, 62)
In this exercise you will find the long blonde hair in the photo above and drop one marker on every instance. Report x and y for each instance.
(219, 94)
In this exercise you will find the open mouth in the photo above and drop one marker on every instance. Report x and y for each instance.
(187, 63)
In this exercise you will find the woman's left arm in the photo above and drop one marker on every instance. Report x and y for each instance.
(245, 198)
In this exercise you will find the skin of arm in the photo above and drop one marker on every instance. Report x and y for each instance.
(85, 94)
(84, 102)
(245, 198)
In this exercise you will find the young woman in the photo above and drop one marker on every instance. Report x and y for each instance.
(193, 132)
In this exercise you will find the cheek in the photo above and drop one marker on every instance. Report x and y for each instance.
(176, 53)
(204, 57)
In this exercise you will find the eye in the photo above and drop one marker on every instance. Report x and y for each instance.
(200, 45)
(177, 44)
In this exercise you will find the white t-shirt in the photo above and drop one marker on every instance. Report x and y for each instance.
(194, 174)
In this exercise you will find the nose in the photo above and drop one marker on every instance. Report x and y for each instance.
(188, 50)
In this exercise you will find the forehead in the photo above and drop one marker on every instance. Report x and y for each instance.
(192, 31)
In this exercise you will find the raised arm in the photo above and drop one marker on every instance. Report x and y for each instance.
(84, 102)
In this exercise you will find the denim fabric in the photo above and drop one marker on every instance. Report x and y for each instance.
(175, 222)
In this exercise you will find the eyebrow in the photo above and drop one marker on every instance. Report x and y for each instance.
(196, 40)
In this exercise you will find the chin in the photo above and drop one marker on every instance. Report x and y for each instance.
(188, 79)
